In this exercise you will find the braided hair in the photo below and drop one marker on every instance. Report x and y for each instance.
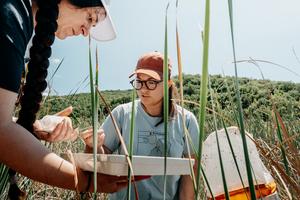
(40, 52)
(30, 101)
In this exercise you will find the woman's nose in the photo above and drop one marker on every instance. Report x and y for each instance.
(144, 87)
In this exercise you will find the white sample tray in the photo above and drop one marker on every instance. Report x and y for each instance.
(114, 164)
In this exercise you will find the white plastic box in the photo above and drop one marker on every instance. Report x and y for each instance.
(114, 164)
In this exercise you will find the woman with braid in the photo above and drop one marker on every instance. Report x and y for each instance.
(20, 150)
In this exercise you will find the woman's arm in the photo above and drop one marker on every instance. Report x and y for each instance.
(25, 154)
(186, 187)
(22, 152)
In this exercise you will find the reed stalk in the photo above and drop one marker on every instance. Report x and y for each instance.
(123, 145)
(283, 153)
(203, 90)
(234, 158)
(132, 125)
(166, 100)
(239, 106)
(186, 133)
(218, 145)
(94, 120)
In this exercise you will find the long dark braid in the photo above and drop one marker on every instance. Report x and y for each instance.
(40, 52)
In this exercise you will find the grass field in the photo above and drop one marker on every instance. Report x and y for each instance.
(260, 100)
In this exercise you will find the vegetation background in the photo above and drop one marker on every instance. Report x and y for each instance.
(258, 98)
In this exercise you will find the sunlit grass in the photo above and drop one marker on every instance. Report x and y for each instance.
(94, 117)
(166, 101)
(218, 144)
(280, 154)
(239, 106)
(203, 90)
(186, 133)
(132, 125)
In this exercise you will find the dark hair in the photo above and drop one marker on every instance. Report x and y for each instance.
(86, 3)
(40, 52)
(46, 26)
(173, 93)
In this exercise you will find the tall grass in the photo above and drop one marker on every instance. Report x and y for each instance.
(188, 140)
(218, 145)
(287, 169)
(290, 143)
(166, 100)
(239, 106)
(123, 145)
(132, 125)
(234, 158)
(3, 178)
(279, 135)
(94, 118)
(203, 90)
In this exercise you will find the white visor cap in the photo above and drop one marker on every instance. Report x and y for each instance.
(104, 30)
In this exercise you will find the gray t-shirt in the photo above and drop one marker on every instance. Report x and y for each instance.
(149, 141)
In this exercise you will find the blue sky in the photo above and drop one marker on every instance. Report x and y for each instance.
(264, 30)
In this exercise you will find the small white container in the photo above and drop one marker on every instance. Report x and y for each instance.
(49, 122)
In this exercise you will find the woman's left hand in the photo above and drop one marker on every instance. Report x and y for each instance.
(62, 132)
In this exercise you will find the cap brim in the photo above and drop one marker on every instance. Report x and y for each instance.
(148, 72)
(104, 30)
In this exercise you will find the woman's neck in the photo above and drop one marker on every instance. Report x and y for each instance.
(153, 110)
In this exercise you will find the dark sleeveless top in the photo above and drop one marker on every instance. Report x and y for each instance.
(16, 28)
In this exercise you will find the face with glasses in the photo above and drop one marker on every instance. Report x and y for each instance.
(149, 90)
(149, 84)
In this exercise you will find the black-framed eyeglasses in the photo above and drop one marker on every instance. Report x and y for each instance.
(150, 84)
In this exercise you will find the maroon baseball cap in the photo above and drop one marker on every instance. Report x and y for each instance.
(152, 64)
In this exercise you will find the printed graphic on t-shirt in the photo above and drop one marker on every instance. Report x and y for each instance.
(151, 143)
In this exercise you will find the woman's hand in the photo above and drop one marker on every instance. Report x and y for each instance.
(110, 184)
(63, 130)
(84, 180)
(105, 183)
(87, 137)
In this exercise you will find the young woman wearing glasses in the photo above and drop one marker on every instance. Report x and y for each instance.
(149, 129)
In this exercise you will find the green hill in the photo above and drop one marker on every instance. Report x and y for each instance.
(257, 97)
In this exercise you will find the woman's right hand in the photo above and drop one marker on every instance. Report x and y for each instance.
(87, 137)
